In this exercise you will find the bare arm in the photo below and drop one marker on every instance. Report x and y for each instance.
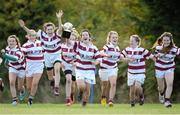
(95, 62)
(59, 15)
(152, 57)
(22, 24)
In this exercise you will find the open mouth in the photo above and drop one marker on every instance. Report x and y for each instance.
(85, 39)
(115, 41)
(11, 45)
(166, 45)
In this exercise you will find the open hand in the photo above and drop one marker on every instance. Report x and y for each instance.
(21, 23)
(2, 51)
(59, 14)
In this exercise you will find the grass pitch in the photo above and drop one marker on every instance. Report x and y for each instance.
(89, 109)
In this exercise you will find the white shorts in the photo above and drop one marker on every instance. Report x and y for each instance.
(50, 59)
(19, 73)
(105, 74)
(161, 74)
(135, 77)
(34, 68)
(68, 66)
(86, 75)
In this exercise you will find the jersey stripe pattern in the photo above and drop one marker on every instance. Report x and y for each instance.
(165, 60)
(68, 53)
(33, 51)
(18, 54)
(50, 44)
(85, 55)
(114, 53)
(140, 55)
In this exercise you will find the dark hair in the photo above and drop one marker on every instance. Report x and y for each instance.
(159, 41)
(167, 49)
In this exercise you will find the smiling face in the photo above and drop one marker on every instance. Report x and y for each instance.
(133, 42)
(12, 42)
(113, 38)
(49, 29)
(32, 35)
(85, 36)
(166, 41)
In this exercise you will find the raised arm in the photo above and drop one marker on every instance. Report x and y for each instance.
(59, 15)
(22, 24)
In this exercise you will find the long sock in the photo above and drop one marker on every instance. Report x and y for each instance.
(14, 99)
(31, 97)
(167, 99)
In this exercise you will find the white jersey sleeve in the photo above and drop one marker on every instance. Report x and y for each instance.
(39, 33)
(97, 55)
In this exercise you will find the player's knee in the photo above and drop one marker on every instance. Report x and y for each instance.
(57, 70)
(69, 81)
(81, 86)
(169, 84)
(113, 84)
(12, 84)
(29, 89)
(35, 84)
(161, 88)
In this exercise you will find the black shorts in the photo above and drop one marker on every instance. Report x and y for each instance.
(50, 68)
(57, 61)
(70, 72)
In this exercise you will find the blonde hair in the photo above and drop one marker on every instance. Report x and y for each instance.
(137, 38)
(16, 39)
(32, 31)
(109, 35)
(76, 34)
(48, 24)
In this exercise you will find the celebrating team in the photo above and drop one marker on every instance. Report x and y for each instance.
(63, 48)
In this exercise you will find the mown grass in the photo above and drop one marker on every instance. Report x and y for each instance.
(89, 109)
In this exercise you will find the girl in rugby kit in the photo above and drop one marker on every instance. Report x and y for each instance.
(68, 57)
(16, 66)
(136, 56)
(51, 43)
(34, 53)
(87, 57)
(165, 53)
(108, 67)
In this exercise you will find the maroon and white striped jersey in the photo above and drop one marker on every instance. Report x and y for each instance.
(165, 61)
(68, 53)
(17, 54)
(114, 53)
(85, 55)
(33, 51)
(140, 55)
(50, 44)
